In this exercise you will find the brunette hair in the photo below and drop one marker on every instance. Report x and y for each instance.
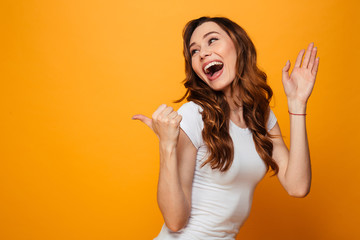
(255, 95)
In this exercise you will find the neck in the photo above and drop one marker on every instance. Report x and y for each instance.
(235, 110)
(231, 101)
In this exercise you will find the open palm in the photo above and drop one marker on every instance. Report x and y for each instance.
(299, 85)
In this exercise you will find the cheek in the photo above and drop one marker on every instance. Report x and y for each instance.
(196, 69)
(230, 53)
(232, 57)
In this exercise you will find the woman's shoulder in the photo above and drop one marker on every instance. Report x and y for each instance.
(191, 112)
(192, 123)
(191, 106)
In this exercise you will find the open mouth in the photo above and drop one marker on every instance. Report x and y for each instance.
(212, 68)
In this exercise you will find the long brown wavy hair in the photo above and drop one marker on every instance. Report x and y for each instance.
(255, 95)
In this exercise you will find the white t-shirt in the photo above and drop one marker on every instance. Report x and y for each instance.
(221, 201)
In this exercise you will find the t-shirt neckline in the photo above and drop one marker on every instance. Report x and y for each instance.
(237, 127)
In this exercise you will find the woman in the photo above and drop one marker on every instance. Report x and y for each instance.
(217, 147)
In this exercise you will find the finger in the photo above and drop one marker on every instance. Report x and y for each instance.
(307, 56)
(158, 111)
(166, 112)
(144, 119)
(285, 71)
(312, 58)
(316, 67)
(172, 115)
(299, 58)
(178, 118)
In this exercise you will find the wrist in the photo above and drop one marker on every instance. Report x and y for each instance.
(167, 147)
(297, 114)
(167, 155)
(296, 107)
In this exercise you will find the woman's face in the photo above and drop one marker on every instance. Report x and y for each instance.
(213, 56)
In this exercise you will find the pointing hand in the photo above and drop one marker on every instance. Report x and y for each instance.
(165, 123)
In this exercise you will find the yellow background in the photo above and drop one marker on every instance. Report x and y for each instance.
(75, 166)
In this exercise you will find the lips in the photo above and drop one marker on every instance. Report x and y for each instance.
(215, 75)
(213, 69)
(206, 65)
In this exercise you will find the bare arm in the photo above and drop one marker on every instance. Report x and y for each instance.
(294, 165)
(177, 165)
(175, 182)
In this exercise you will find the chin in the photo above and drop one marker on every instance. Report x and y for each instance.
(219, 85)
(219, 88)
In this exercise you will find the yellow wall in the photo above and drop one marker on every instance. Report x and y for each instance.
(73, 165)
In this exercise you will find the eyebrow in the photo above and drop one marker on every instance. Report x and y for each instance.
(207, 34)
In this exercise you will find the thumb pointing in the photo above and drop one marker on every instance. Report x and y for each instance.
(144, 119)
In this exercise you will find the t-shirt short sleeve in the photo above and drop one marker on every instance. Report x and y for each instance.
(271, 121)
(191, 122)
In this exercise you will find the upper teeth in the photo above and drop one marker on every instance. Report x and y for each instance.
(211, 64)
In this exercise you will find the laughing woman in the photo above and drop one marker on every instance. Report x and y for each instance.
(217, 147)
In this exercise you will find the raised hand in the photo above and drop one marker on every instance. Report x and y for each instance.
(165, 123)
(299, 85)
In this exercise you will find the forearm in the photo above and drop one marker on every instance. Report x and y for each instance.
(172, 202)
(298, 172)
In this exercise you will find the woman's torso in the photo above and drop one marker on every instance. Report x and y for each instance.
(221, 201)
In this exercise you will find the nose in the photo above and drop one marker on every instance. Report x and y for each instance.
(204, 53)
